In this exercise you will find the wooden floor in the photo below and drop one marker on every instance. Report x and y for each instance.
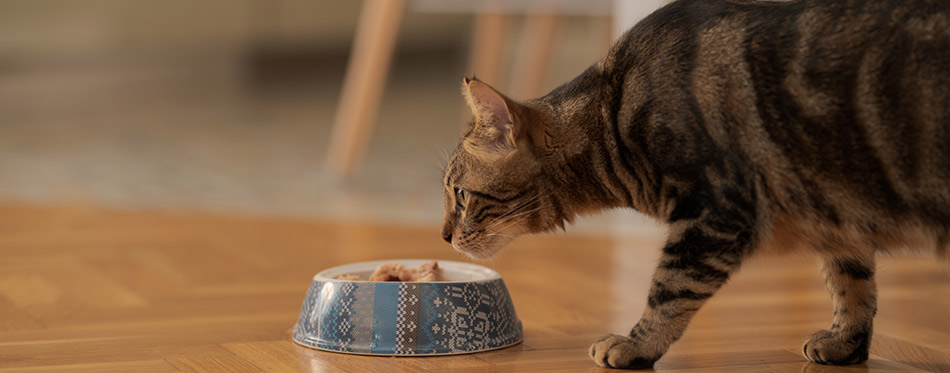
(87, 289)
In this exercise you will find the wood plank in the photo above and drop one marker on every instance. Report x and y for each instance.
(87, 289)
(139, 366)
(272, 356)
(226, 363)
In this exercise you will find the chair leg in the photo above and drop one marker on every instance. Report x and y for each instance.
(535, 55)
(486, 57)
(363, 84)
(488, 43)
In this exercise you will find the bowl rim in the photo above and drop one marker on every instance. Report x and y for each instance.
(479, 273)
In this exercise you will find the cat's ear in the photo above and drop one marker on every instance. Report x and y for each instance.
(495, 129)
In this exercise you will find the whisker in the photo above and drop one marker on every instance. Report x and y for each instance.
(507, 223)
(504, 228)
(508, 215)
(511, 216)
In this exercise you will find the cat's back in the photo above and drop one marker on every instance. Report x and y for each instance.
(840, 108)
(853, 96)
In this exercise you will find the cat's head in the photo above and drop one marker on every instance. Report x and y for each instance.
(494, 183)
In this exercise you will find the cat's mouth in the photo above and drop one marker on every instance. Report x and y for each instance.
(483, 247)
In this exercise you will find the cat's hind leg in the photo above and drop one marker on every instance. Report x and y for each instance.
(697, 260)
(850, 279)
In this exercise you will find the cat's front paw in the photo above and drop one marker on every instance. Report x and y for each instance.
(615, 351)
(826, 347)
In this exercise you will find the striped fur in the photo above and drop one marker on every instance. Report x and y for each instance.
(811, 124)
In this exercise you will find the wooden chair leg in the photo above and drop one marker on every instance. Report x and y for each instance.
(488, 43)
(486, 58)
(363, 84)
(535, 57)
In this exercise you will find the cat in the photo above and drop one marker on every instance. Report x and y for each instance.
(811, 124)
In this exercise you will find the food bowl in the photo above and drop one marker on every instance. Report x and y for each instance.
(471, 311)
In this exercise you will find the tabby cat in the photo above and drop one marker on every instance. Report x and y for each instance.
(810, 124)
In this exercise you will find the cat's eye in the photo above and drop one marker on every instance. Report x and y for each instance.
(460, 196)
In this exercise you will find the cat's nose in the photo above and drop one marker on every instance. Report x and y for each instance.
(447, 237)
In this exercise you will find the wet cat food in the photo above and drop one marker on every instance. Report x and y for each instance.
(427, 272)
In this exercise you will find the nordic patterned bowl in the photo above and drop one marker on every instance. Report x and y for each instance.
(469, 312)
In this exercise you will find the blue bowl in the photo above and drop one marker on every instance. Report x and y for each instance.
(469, 312)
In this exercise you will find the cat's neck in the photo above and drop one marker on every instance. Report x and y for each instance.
(580, 146)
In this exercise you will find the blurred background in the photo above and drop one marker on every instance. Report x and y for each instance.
(230, 105)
